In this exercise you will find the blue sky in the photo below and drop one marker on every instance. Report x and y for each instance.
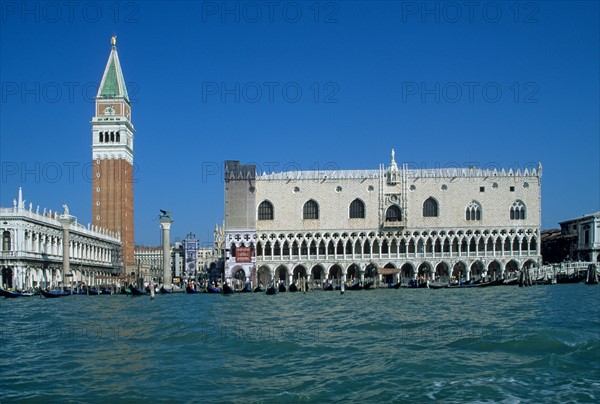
(291, 84)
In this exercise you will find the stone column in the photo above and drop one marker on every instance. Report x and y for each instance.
(165, 225)
(65, 221)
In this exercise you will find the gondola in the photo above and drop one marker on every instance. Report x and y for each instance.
(573, 278)
(106, 291)
(511, 282)
(247, 288)
(414, 283)
(212, 289)
(51, 294)
(93, 292)
(164, 291)
(462, 285)
(135, 291)
(497, 282)
(368, 285)
(395, 285)
(228, 290)
(293, 288)
(259, 288)
(190, 290)
(282, 287)
(12, 294)
(328, 287)
(438, 285)
(271, 290)
(354, 286)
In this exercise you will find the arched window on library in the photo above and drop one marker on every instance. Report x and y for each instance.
(517, 210)
(311, 210)
(473, 211)
(100, 137)
(430, 208)
(118, 137)
(357, 209)
(393, 214)
(105, 137)
(265, 211)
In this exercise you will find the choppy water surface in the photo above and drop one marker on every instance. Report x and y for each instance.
(498, 344)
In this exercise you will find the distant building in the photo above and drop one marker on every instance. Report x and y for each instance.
(577, 240)
(149, 262)
(462, 222)
(31, 250)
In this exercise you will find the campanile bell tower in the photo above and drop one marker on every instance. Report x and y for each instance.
(112, 152)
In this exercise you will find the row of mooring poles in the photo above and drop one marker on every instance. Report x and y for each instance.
(525, 278)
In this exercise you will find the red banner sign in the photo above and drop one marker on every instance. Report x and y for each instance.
(243, 254)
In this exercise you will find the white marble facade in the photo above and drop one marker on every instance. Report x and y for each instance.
(462, 222)
(31, 252)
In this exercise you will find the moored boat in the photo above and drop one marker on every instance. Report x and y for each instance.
(328, 287)
(573, 278)
(368, 285)
(497, 282)
(271, 290)
(228, 290)
(259, 288)
(213, 289)
(293, 288)
(354, 286)
(282, 287)
(11, 294)
(247, 288)
(190, 290)
(51, 294)
(132, 290)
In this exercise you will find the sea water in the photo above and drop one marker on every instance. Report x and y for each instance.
(496, 344)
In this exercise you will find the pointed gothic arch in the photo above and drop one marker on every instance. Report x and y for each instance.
(430, 207)
(310, 211)
(357, 209)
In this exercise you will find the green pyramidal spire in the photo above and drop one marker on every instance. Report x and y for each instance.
(113, 83)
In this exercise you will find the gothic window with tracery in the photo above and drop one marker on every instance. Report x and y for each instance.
(517, 210)
(473, 211)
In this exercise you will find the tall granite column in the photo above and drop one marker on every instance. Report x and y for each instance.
(165, 225)
(65, 221)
